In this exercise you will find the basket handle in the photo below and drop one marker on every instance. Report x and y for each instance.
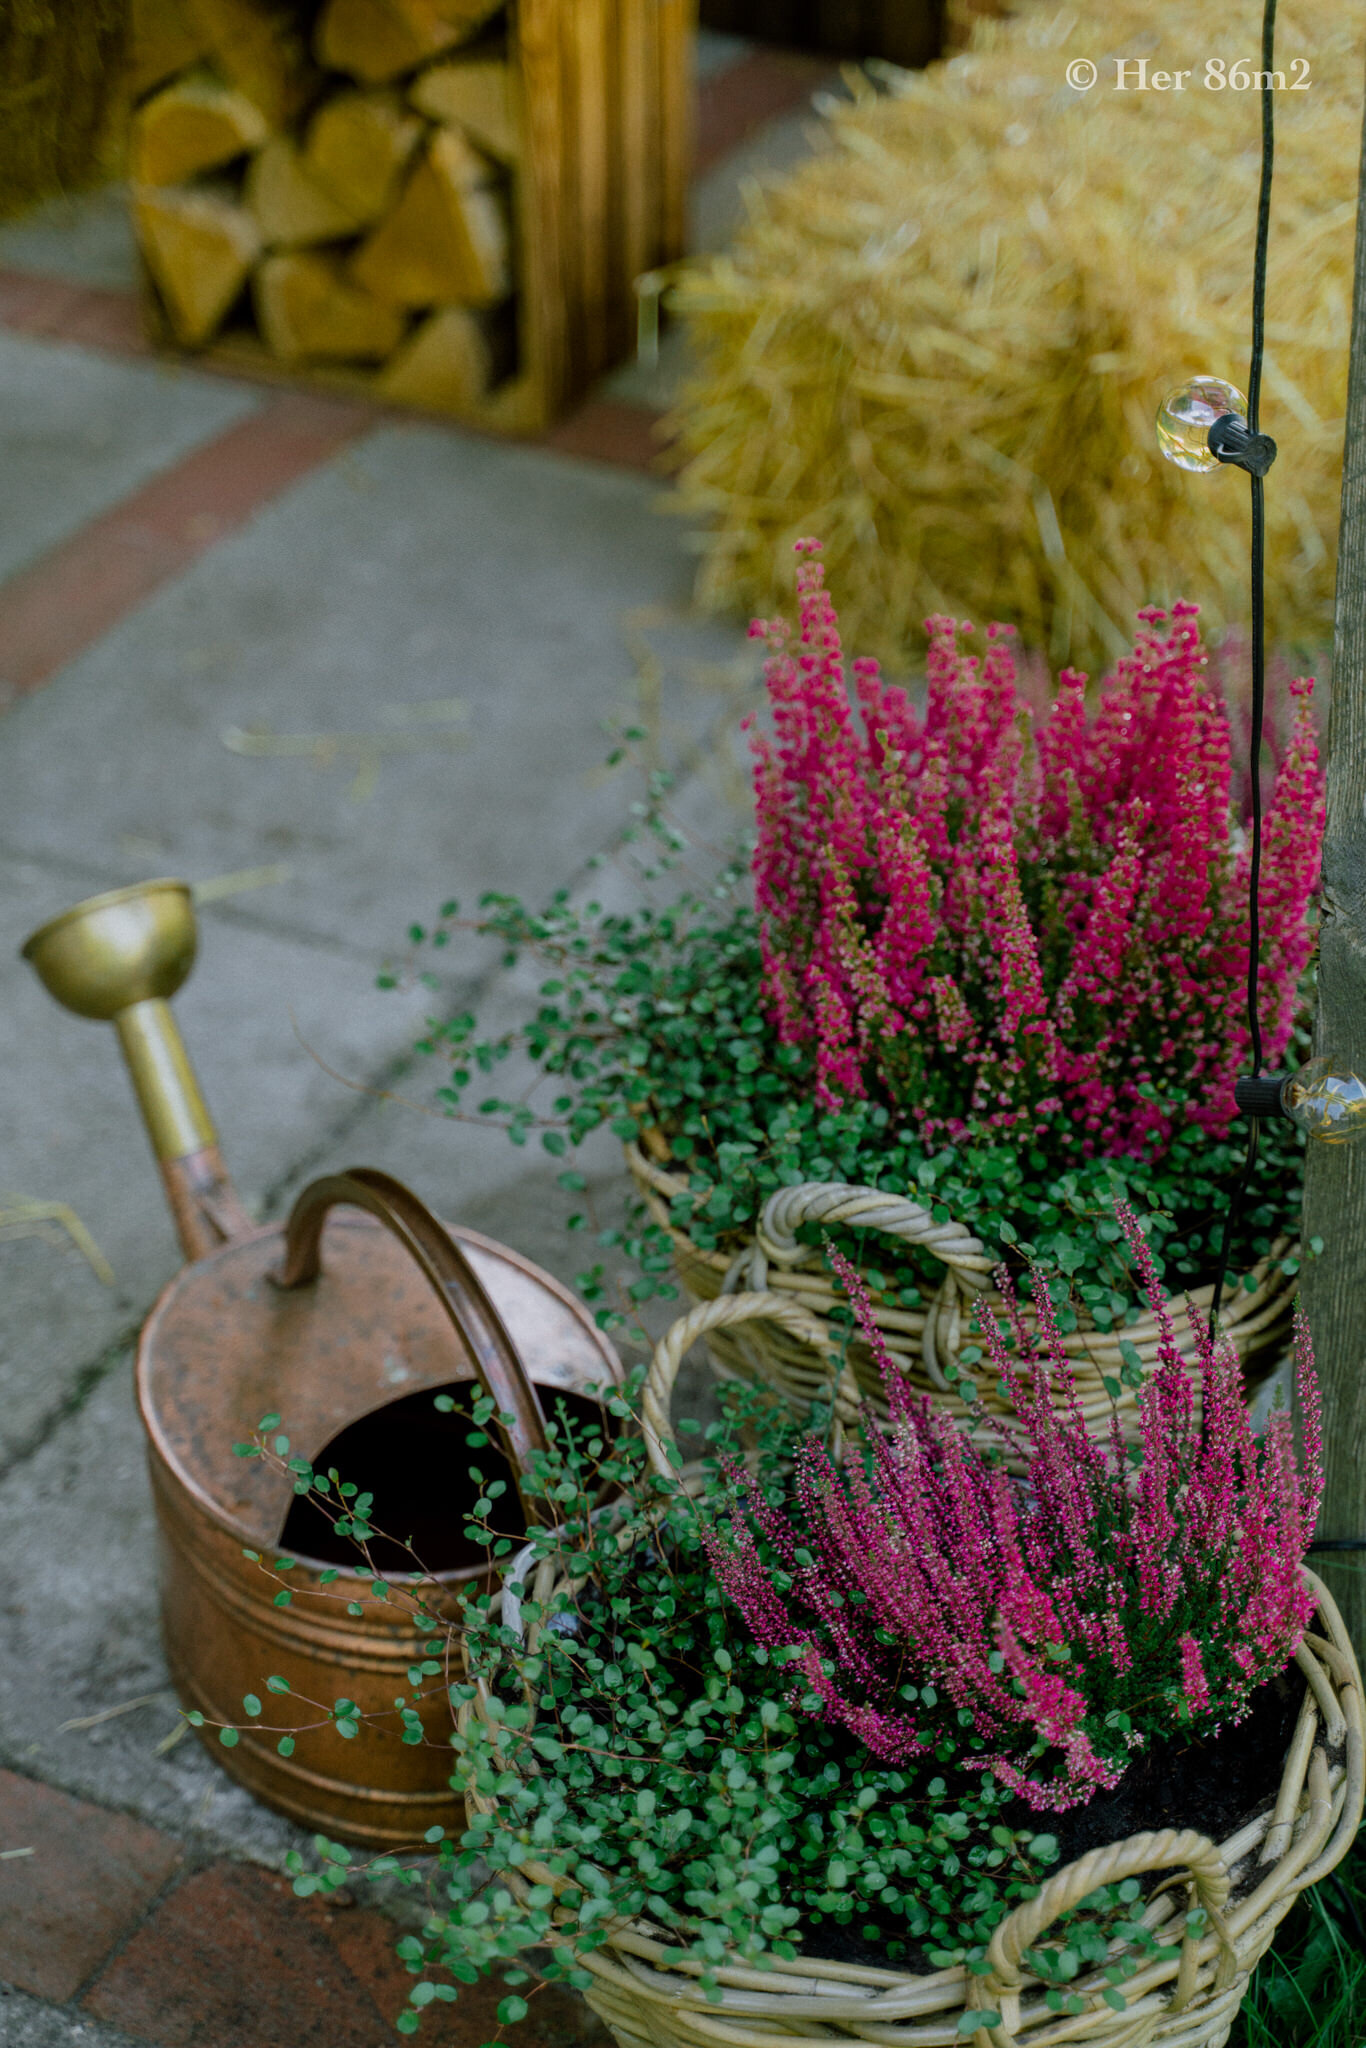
(1183, 1848)
(497, 1365)
(673, 1346)
(867, 1208)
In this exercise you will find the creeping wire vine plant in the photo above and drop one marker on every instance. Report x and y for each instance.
(634, 1750)
(658, 1762)
(985, 956)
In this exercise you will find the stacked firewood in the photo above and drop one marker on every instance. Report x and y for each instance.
(341, 185)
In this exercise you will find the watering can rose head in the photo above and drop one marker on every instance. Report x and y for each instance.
(1122, 1597)
(993, 920)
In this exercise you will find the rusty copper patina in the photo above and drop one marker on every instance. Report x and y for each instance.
(324, 1322)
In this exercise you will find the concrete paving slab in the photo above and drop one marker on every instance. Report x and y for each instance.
(720, 199)
(81, 431)
(717, 52)
(29, 2023)
(72, 1133)
(79, 1632)
(85, 237)
(423, 566)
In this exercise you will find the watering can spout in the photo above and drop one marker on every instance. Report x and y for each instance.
(119, 958)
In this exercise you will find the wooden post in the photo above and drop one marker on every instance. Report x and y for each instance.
(59, 73)
(1335, 1179)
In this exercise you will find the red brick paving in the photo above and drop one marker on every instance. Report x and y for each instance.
(227, 1957)
(72, 596)
(52, 309)
(559, 2018)
(610, 430)
(734, 103)
(233, 1959)
(92, 1876)
(226, 1960)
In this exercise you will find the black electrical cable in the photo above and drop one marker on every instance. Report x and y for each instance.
(1233, 1214)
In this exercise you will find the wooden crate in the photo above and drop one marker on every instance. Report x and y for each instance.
(440, 203)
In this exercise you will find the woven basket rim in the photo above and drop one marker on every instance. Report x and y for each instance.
(1273, 1290)
(1327, 1774)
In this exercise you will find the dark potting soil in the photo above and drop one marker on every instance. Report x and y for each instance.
(1216, 1784)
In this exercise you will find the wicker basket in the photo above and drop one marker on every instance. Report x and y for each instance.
(648, 1993)
(925, 1342)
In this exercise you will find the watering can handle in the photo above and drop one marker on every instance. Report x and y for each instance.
(497, 1365)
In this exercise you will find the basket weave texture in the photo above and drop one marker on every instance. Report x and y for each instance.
(926, 1341)
(647, 1991)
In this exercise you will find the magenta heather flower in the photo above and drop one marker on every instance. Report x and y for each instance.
(990, 917)
(1070, 1618)
(1193, 1682)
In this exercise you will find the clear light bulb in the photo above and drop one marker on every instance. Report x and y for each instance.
(1324, 1098)
(1186, 415)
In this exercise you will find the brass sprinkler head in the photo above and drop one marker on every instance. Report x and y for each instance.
(119, 958)
(128, 946)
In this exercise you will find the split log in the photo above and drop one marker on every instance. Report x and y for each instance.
(358, 146)
(162, 40)
(310, 310)
(257, 46)
(366, 40)
(475, 93)
(378, 40)
(293, 209)
(199, 248)
(446, 365)
(192, 126)
(447, 239)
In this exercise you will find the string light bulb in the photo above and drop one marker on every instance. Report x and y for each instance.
(1323, 1098)
(1186, 415)
(1202, 425)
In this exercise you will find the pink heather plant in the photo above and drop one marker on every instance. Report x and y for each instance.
(1073, 1619)
(993, 920)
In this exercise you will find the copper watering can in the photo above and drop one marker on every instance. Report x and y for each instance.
(346, 1322)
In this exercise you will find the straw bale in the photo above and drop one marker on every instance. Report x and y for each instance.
(940, 344)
